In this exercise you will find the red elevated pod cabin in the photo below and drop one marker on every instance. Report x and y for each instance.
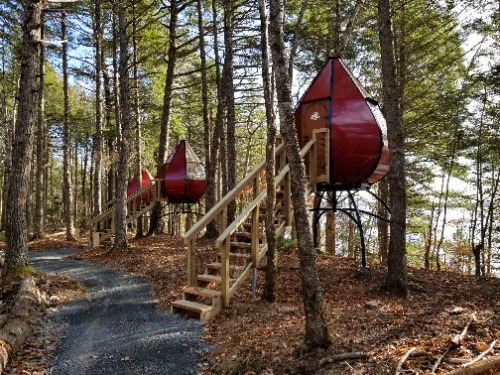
(356, 151)
(147, 179)
(184, 176)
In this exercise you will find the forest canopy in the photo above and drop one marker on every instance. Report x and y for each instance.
(448, 81)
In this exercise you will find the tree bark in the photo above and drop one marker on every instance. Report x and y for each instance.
(38, 228)
(16, 231)
(270, 293)
(316, 330)
(121, 239)
(382, 225)
(228, 96)
(67, 180)
(204, 87)
(331, 230)
(156, 224)
(98, 141)
(137, 116)
(217, 136)
(396, 272)
(84, 182)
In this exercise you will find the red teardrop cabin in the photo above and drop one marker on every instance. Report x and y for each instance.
(147, 179)
(184, 175)
(355, 151)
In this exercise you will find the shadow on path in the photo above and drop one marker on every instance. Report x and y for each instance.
(115, 329)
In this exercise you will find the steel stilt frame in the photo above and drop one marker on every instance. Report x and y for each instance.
(353, 213)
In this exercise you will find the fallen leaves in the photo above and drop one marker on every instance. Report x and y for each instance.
(256, 337)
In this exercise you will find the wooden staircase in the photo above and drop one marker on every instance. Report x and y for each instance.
(242, 244)
(102, 227)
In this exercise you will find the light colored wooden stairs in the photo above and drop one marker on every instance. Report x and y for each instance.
(102, 226)
(242, 243)
(204, 300)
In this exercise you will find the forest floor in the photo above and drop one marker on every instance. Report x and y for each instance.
(372, 330)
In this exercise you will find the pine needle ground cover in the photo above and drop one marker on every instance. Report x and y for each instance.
(373, 331)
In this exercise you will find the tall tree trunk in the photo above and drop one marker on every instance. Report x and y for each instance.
(382, 225)
(38, 229)
(98, 141)
(215, 152)
(228, 95)
(428, 238)
(121, 240)
(206, 122)
(157, 223)
(75, 179)
(9, 140)
(16, 231)
(84, 182)
(396, 272)
(109, 141)
(490, 219)
(6, 134)
(137, 116)
(330, 230)
(316, 330)
(67, 180)
(270, 293)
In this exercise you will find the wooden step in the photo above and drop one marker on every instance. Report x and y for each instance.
(203, 311)
(213, 266)
(241, 245)
(202, 292)
(217, 267)
(243, 234)
(209, 278)
(236, 256)
(247, 235)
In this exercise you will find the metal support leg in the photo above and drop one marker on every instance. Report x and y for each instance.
(316, 216)
(361, 233)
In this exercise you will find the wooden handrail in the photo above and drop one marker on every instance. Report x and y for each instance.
(224, 202)
(251, 206)
(252, 209)
(129, 199)
(89, 217)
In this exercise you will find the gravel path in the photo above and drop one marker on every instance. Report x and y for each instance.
(116, 329)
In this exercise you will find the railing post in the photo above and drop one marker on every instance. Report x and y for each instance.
(225, 271)
(255, 234)
(95, 239)
(157, 189)
(191, 264)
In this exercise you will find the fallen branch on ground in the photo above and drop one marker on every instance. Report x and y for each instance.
(403, 359)
(343, 356)
(455, 341)
(477, 368)
(440, 359)
(469, 367)
(481, 356)
(24, 316)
